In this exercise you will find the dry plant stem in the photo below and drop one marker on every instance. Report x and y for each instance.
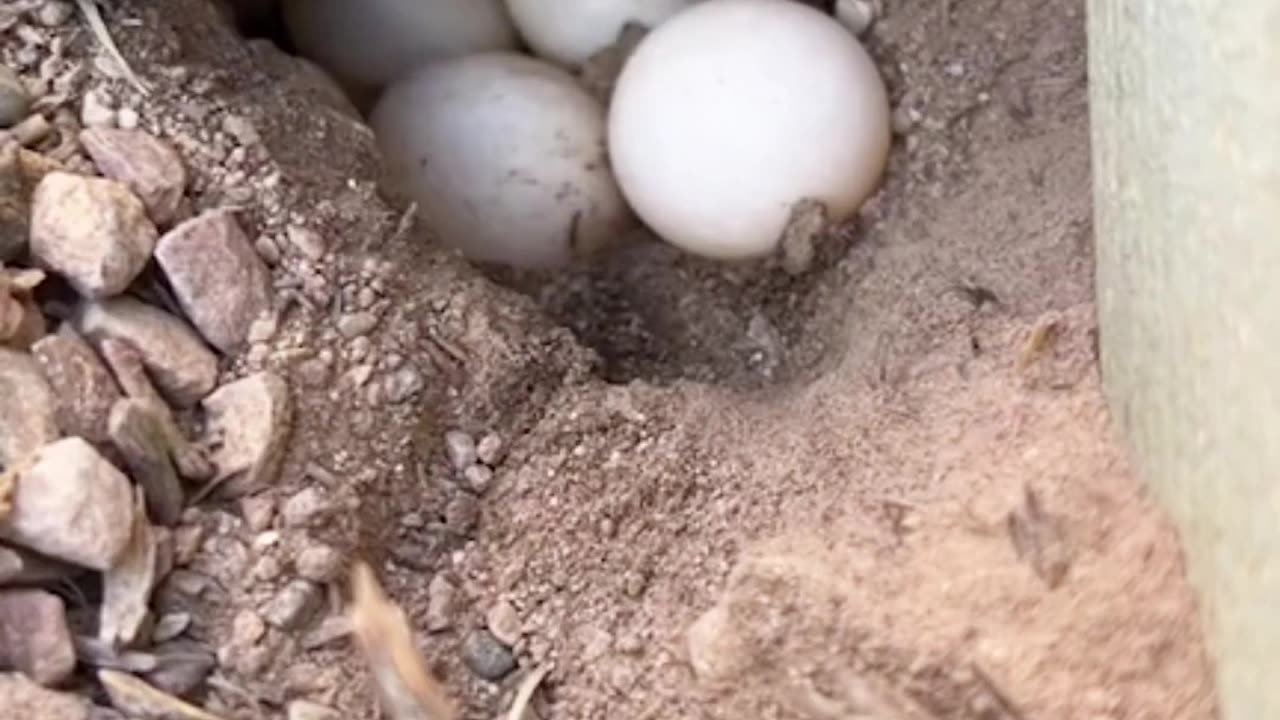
(90, 10)
(528, 687)
(409, 689)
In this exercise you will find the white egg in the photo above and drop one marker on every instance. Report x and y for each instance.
(505, 155)
(371, 42)
(734, 110)
(570, 31)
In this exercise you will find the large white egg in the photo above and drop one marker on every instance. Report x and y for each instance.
(570, 31)
(371, 42)
(505, 155)
(732, 111)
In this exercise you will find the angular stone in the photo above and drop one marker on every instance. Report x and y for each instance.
(71, 504)
(127, 585)
(92, 231)
(217, 277)
(294, 605)
(181, 365)
(145, 164)
(22, 699)
(86, 389)
(28, 417)
(34, 637)
(318, 563)
(139, 432)
(253, 417)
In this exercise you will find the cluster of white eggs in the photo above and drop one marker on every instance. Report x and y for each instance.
(726, 114)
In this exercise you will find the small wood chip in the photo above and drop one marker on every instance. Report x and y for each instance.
(137, 698)
(409, 689)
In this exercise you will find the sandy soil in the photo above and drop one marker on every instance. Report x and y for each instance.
(885, 489)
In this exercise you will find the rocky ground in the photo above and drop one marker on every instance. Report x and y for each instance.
(230, 365)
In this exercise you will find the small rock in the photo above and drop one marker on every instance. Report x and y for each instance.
(715, 646)
(490, 449)
(170, 626)
(181, 667)
(71, 504)
(96, 113)
(305, 507)
(217, 277)
(252, 417)
(127, 119)
(20, 699)
(143, 163)
(356, 324)
(247, 628)
(34, 637)
(241, 128)
(92, 231)
(334, 627)
(441, 597)
(504, 622)
(28, 408)
(53, 13)
(477, 478)
(127, 585)
(138, 431)
(485, 656)
(855, 15)
(137, 698)
(319, 563)
(86, 389)
(404, 384)
(308, 241)
(183, 368)
(461, 449)
(258, 511)
(19, 566)
(293, 606)
(267, 568)
(306, 710)
(15, 101)
(461, 513)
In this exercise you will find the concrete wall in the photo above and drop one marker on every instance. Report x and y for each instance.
(1185, 99)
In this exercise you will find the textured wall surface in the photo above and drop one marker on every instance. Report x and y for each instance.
(1185, 99)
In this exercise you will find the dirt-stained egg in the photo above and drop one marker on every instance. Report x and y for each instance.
(371, 42)
(505, 155)
(732, 111)
(568, 32)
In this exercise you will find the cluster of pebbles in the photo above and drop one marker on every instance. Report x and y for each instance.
(118, 306)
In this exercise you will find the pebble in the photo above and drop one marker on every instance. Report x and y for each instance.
(353, 325)
(22, 698)
(73, 505)
(294, 605)
(34, 637)
(715, 646)
(403, 384)
(266, 569)
(267, 249)
(305, 507)
(15, 101)
(258, 511)
(217, 277)
(319, 563)
(148, 166)
(93, 231)
(181, 666)
(139, 432)
(127, 119)
(855, 15)
(504, 622)
(490, 449)
(307, 241)
(460, 448)
(478, 478)
(94, 112)
(461, 513)
(247, 628)
(86, 389)
(253, 417)
(127, 586)
(441, 600)
(53, 13)
(170, 626)
(307, 710)
(177, 360)
(486, 656)
(28, 407)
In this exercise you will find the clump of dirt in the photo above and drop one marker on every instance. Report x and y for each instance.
(885, 488)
